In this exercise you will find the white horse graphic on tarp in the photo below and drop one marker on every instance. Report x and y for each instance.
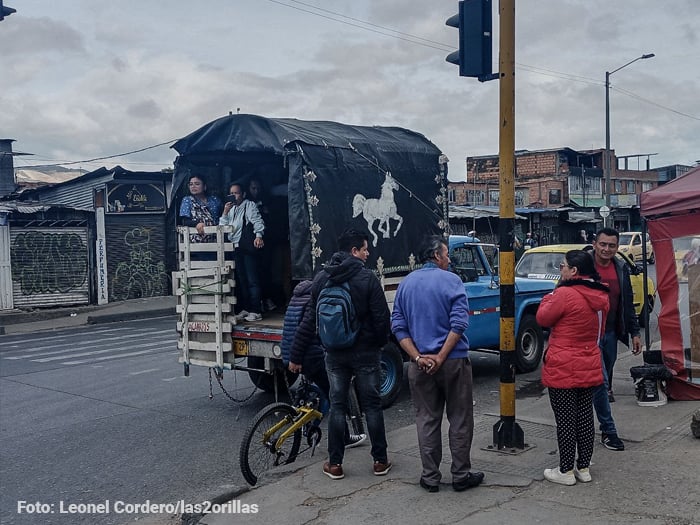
(382, 209)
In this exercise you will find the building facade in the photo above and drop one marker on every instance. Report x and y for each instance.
(567, 182)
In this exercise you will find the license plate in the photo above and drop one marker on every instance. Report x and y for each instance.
(240, 347)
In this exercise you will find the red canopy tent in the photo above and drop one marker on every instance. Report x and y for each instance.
(672, 211)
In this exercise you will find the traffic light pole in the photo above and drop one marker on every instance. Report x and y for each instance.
(507, 433)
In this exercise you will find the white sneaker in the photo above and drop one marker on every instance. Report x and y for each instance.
(251, 317)
(241, 315)
(557, 476)
(583, 475)
(356, 440)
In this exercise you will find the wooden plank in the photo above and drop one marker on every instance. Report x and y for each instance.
(200, 272)
(204, 326)
(209, 289)
(210, 347)
(207, 363)
(205, 308)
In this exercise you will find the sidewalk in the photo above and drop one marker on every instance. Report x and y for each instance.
(20, 322)
(654, 481)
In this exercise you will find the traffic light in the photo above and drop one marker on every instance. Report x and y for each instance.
(5, 11)
(474, 54)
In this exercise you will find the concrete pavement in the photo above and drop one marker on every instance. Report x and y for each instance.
(654, 481)
(40, 319)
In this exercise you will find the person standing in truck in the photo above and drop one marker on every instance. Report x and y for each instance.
(247, 238)
(199, 209)
(430, 317)
(361, 360)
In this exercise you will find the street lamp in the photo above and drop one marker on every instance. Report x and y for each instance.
(607, 161)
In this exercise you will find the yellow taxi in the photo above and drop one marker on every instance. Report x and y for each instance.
(543, 263)
(631, 245)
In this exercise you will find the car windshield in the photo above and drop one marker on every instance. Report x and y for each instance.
(542, 265)
(625, 239)
(545, 265)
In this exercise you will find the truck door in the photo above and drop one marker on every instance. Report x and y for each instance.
(483, 294)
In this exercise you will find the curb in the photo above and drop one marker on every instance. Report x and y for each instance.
(130, 316)
(194, 519)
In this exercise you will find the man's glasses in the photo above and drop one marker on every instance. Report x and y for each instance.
(563, 265)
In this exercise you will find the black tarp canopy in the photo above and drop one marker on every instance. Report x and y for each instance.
(336, 176)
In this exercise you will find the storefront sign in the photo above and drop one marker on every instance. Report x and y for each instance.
(135, 198)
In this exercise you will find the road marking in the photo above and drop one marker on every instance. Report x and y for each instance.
(105, 358)
(71, 344)
(83, 354)
(144, 371)
(105, 346)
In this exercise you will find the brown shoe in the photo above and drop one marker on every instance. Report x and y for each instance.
(381, 468)
(333, 471)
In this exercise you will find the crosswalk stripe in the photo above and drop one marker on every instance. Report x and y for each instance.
(139, 372)
(83, 354)
(71, 344)
(105, 346)
(105, 358)
(51, 337)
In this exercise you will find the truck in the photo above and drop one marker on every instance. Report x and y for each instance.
(322, 177)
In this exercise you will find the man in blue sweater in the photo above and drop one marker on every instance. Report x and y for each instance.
(431, 313)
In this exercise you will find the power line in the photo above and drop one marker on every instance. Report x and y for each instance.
(414, 39)
(87, 161)
(634, 95)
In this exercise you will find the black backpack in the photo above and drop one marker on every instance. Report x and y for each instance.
(336, 319)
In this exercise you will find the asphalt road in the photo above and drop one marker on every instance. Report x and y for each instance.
(104, 412)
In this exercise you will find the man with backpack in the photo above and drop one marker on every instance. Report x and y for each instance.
(349, 313)
(309, 360)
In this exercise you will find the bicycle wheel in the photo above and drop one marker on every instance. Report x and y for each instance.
(357, 425)
(257, 454)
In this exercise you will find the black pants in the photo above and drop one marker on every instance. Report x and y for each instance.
(573, 412)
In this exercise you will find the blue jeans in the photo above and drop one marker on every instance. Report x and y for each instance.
(364, 365)
(601, 403)
(248, 279)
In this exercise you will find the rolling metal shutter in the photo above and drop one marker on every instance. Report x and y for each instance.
(49, 266)
(136, 256)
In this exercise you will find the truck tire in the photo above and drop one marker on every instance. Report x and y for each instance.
(265, 381)
(529, 345)
(391, 365)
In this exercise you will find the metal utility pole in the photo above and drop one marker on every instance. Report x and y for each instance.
(507, 433)
(607, 161)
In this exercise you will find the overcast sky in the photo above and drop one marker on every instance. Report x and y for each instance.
(81, 79)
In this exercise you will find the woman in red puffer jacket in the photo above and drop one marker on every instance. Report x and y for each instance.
(575, 311)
